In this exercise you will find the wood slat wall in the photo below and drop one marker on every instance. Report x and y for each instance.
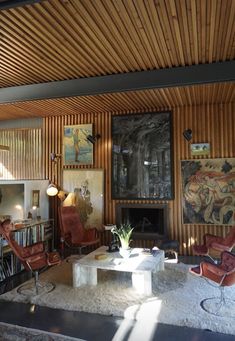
(214, 124)
(24, 159)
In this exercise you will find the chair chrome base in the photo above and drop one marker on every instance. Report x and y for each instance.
(219, 306)
(30, 289)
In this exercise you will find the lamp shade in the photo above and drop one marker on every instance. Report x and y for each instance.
(52, 190)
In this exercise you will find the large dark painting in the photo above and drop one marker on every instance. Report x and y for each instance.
(142, 156)
(208, 191)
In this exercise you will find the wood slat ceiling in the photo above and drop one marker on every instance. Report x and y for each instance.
(122, 102)
(67, 39)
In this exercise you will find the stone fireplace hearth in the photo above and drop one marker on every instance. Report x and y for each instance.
(150, 221)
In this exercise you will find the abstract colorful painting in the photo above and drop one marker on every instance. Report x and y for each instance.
(208, 191)
(77, 150)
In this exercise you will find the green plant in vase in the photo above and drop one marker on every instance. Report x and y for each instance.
(124, 232)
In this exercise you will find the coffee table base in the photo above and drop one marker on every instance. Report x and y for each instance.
(84, 275)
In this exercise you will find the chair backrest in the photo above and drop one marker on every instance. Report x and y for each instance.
(228, 264)
(70, 224)
(230, 238)
(6, 228)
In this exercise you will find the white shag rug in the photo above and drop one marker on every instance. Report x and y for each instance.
(175, 300)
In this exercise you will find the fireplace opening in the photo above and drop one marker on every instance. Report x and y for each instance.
(149, 220)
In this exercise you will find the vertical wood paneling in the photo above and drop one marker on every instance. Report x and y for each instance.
(212, 123)
(24, 159)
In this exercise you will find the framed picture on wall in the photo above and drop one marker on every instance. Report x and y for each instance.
(208, 191)
(200, 149)
(86, 191)
(77, 149)
(36, 198)
(142, 156)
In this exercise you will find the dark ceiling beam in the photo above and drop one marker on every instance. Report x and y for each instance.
(132, 81)
(6, 4)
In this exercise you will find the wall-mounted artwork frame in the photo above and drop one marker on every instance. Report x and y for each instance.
(208, 191)
(142, 156)
(77, 150)
(200, 149)
(86, 188)
(36, 198)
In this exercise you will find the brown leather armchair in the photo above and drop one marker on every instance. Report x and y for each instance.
(73, 234)
(213, 245)
(33, 257)
(223, 274)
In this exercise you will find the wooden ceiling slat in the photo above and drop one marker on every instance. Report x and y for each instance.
(212, 30)
(148, 35)
(166, 24)
(184, 27)
(89, 12)
(24, 48)
(159, 33)
(74, 39)
(77, 38)
(175, 20)
(230, 31)
(203, 30)
(132, 100)
(30, 67)
(194, 30)
(109, 15)
(133, 36)
(48, 54)
(58, 40)
(38, 30)
(139, 24)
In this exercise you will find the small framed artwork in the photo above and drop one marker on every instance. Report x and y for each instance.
(85, 188)
(77, 149)
(200, 149)
(35, 198)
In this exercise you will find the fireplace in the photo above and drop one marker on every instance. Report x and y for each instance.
(150, 221)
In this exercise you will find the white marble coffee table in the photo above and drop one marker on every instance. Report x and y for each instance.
(141, 266)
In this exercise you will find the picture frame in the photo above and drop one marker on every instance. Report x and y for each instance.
(200, 149)
(86, 191)
(208, 191)
(77, 149)
(35, 198)
(142, 156)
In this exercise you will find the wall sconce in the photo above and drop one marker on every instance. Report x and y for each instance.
(52, 189)
(93, 139)
(188, 134)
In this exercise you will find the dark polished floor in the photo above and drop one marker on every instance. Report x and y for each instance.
(95, 327)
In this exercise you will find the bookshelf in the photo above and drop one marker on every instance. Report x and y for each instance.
(25, 233)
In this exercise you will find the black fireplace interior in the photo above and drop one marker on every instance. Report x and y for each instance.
(149, 221)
